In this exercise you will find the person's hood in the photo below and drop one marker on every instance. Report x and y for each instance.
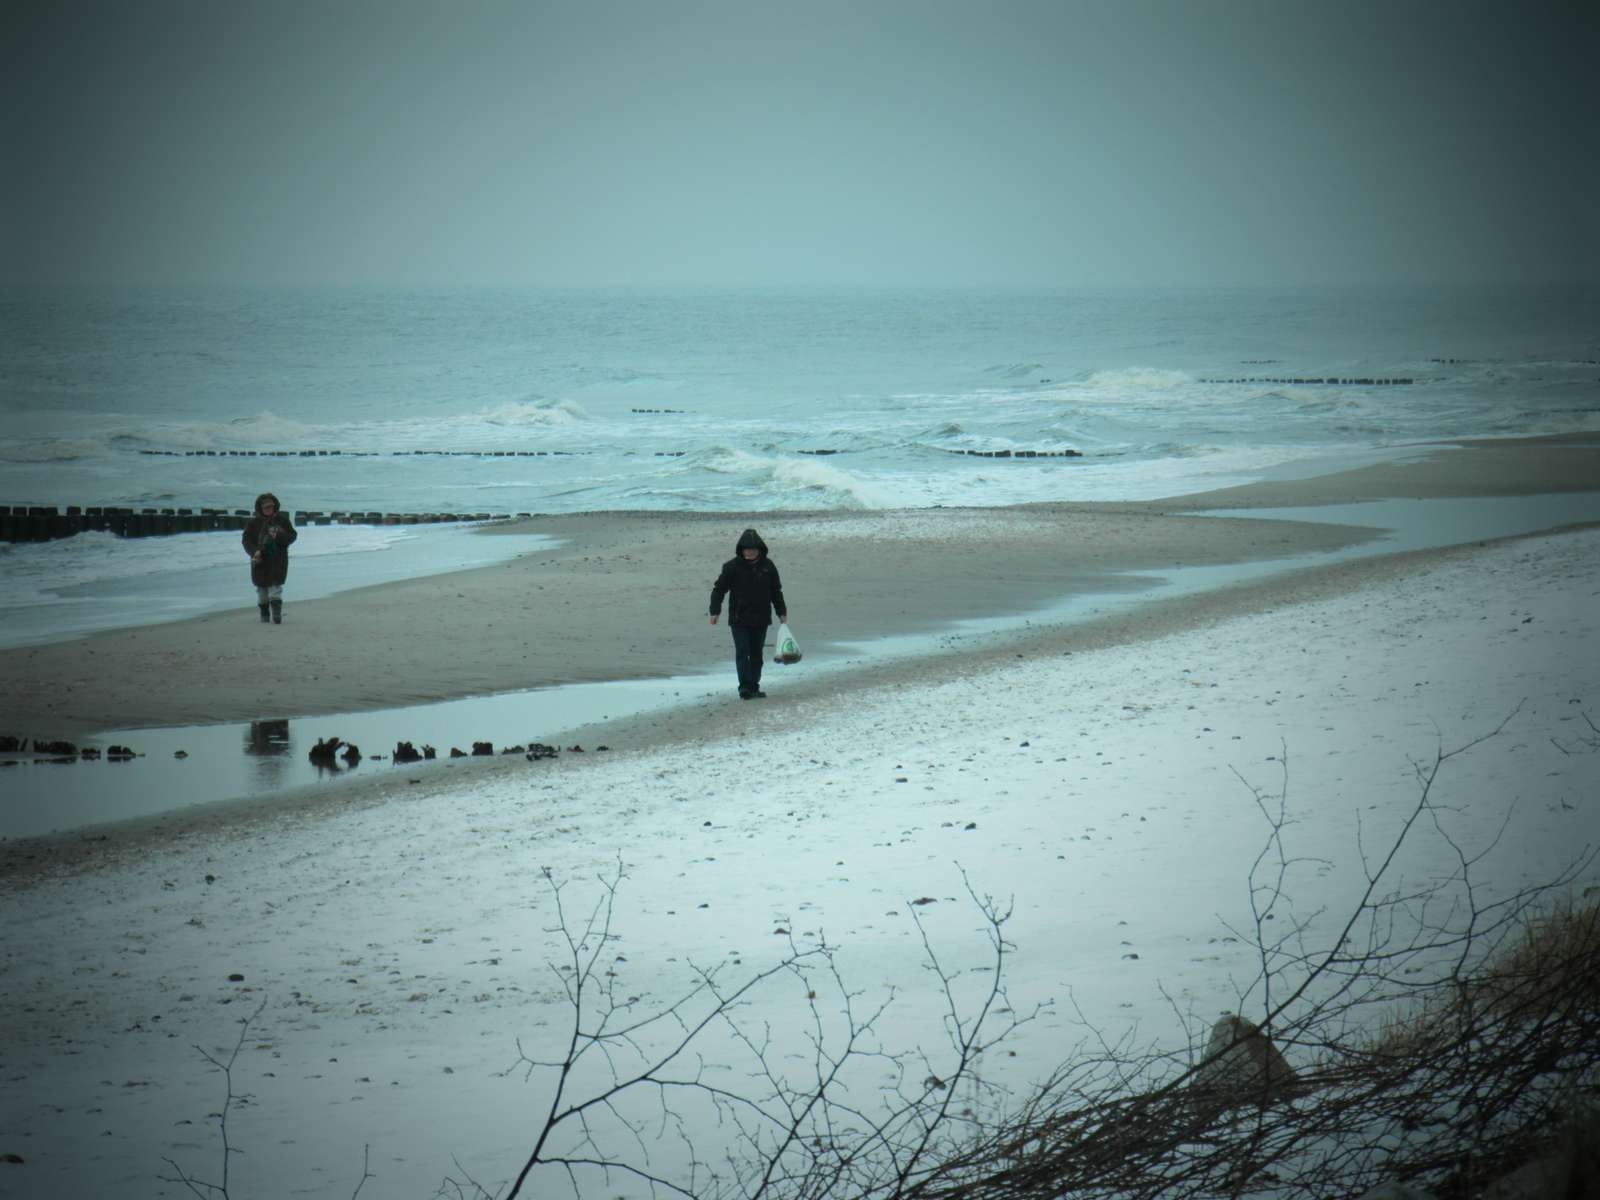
(750, 538)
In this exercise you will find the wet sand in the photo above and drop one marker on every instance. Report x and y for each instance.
(624, 596)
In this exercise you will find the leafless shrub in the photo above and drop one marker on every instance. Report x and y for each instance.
(218, 1190)
(1489, 1032)
(1442, 1035)
(636, 1085)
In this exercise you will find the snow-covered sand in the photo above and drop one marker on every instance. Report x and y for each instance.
(400, 945)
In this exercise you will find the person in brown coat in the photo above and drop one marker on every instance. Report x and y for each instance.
(267, 537)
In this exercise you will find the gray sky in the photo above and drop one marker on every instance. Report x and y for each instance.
(663, 142)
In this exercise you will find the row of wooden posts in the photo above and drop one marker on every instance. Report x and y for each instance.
(43, 523)
(569, 453)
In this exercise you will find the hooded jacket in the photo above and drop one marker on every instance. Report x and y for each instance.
(270, 535)
(753, 589)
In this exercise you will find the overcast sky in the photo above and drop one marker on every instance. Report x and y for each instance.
(661, 142)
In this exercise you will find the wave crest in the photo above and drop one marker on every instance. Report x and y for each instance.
(772, 482)
(533, 412)
(1146, 378)
(824, 482)
(264, 428)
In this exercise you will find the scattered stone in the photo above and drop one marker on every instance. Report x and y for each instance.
(180, 754)
(14, 1160)
(119, 752)
(538, 750)
(89, 754)
(323, 752)
(236, 978)
(514, 750)
(405, 752)
(352, 753)
(429, 752)
(970, 825)
(479, 749)
(599, 749)
(11, 745)
(56, 748)
(1242, 1065)
(925, 900)
(575, 749)
(457, 752)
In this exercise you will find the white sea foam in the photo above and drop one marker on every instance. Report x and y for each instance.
(1133, 379)
(533, 412)
(752, 381)
(721, 460)
(265, 428)
(833, 487)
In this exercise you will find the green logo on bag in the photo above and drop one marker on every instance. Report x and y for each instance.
(788, 649)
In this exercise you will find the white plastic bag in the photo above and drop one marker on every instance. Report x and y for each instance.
(788, 650)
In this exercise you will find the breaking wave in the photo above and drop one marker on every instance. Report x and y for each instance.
(533, 412)
(1141, 378)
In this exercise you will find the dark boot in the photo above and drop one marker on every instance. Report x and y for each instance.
(277, 612)
(264, 617)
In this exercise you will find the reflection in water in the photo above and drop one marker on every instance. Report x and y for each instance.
(268, 743)
(267, 737)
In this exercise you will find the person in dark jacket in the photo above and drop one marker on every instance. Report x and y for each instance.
(267, 537)
(750, 582)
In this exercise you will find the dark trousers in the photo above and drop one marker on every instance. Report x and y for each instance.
(747, 655)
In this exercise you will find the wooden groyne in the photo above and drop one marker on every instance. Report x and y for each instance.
(363, 453)
(43, 523)
(1314, 381)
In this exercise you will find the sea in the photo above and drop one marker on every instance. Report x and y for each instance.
(737, 400)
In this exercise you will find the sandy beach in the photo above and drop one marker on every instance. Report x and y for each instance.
(1100, 775)
(623, 596)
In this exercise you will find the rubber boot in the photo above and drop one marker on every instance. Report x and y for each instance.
(264, 617)
(277, 612)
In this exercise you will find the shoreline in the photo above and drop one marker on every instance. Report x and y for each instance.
(622, 596)
(711, 721)
(929, 539)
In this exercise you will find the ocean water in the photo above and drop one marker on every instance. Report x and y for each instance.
(561, 401)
